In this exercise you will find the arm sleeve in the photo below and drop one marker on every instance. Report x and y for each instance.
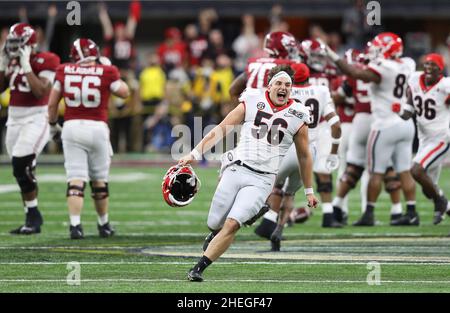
(328, 103)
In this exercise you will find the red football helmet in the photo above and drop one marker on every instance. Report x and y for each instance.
(84, 49)
(281, 45)
(179, 186)
(20, 35)
(385, 45)
(355, 56)
(314, 54)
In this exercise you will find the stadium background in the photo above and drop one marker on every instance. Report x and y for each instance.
(156, 244)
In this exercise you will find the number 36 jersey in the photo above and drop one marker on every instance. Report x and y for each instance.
(394, 76)
(86, 90)
(430, 104)
(268, 130)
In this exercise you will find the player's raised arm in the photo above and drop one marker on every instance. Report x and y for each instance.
(237, 87)
(233, 118)
(351, 70)
(301, 142)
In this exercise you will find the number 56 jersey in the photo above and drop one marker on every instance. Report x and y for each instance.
(432, 110)
(86, 90)
(268, 130)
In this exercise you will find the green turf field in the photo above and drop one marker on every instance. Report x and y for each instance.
(156, 245)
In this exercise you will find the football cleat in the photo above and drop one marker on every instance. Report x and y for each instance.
(276, 237)
(328, 221)
(395, 217)
(26, 229)
(105, 231)
(440, 207)
(266, 228)
(194, 275)
(367, 219)
(408, 219)
(76, 232)
(340, 216)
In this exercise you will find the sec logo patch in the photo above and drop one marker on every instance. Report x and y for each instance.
(260, 105)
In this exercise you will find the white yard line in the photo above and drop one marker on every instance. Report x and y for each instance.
(227, 263)
(143, 280)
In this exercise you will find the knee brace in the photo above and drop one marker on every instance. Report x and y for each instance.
(23, 170)
(391, 181)
(323, 186)
(352, 175)
(75, 190)
(99, 193)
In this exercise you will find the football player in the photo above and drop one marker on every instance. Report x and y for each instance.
(282, 48)
(29, 75)
(323, 74)
(318, 100)
(271, 123)
(390, 138)
(86, 86)
(358, 90)
(429, 98)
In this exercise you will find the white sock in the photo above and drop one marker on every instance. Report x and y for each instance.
(75, 220)
(345, 205)
(396, 208)
(32, 203)
(327, 208)
(338, 201)
(102, 220)
(271, 215)
(364, 184)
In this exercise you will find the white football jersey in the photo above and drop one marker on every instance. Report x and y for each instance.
(267, 131)
(432, 112)
(317, 99)
(392, 89)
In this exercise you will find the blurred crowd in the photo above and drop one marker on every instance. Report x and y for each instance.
(189, 73)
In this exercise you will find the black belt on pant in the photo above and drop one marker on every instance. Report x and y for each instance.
(239, 162)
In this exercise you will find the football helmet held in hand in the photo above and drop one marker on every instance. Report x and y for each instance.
(179, 186)
(84, 50)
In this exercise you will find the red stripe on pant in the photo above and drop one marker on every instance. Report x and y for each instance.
(439, 146)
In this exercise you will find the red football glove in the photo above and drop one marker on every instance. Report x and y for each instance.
(135, 10)
(396, 107)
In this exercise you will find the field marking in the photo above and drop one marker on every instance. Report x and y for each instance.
(304, 256)
(125, 223)
(226, 263)
(143, 280)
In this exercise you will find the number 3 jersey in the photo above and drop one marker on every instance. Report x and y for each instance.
(318, 100)
(86, 90)
(394, 76)
(430, 104)
(268, 130)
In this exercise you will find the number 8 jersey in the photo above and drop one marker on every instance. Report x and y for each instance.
(268, 130)
(432, 110)
(86, 90)
(394, 76)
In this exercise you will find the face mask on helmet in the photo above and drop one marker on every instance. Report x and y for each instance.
(20, 35)
(179, 186)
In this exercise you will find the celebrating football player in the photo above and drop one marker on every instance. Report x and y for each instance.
(390, 139)
(355, 165)
(86, 87)
(271, 123)
(317, 99)
(429, 98)
(29, 75)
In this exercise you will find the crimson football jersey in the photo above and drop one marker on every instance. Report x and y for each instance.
(359, 90)
(257, 70)
(43, 64)
(345, 111)
(86, 90)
